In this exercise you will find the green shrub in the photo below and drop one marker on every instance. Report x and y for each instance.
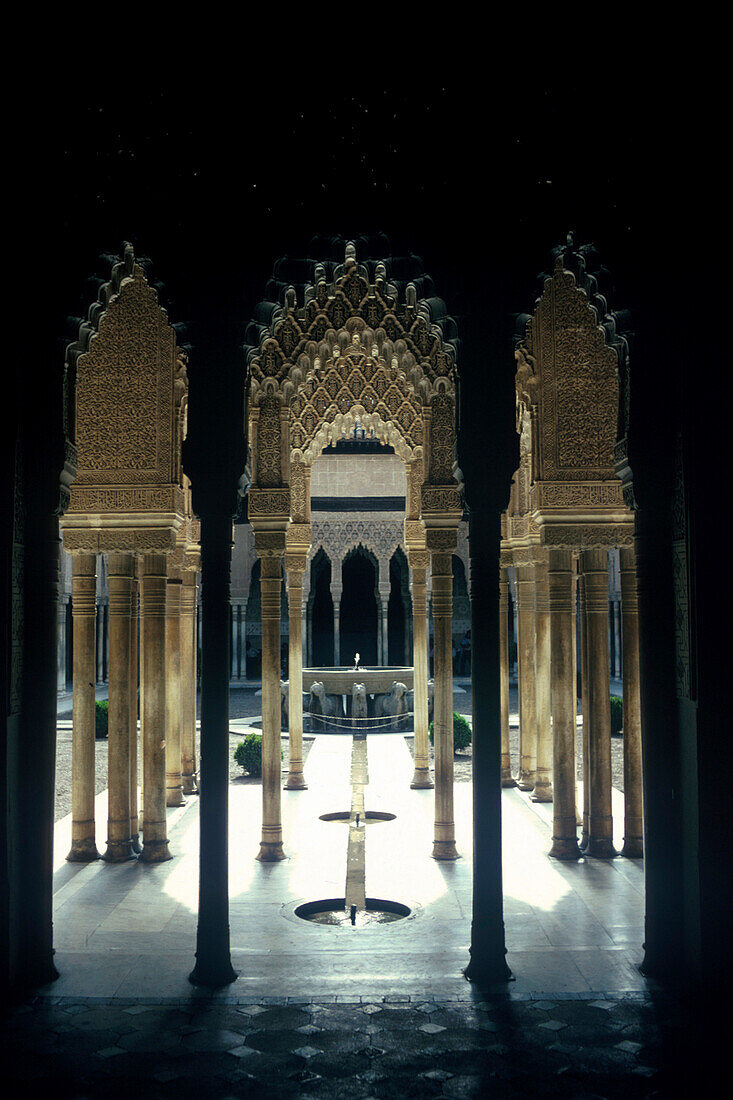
(462, 736)
(617, 714)
(248, 754)
(101, 719)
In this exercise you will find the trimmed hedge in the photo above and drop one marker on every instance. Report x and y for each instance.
(617, 714)
(248, 754)
(462, 735)
(101, 719)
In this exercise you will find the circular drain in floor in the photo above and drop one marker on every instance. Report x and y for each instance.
(331, 911)
(372, 817)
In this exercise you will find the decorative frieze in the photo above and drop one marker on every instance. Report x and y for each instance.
(123, 540)
(274, 502)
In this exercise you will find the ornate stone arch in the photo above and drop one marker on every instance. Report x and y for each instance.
(354, 349)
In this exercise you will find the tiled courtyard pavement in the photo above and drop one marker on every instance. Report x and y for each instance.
(589, 1046)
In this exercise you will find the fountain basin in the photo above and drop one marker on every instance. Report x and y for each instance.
(331, 912)
(340, 680)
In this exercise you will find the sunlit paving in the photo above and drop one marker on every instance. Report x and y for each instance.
(577, 927)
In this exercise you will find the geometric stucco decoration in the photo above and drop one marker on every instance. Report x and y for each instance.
(566, 492)
(351, 350)
(126, 395)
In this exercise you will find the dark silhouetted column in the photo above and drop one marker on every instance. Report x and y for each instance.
(213, 958)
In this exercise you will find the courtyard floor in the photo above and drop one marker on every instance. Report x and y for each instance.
(327, 1011)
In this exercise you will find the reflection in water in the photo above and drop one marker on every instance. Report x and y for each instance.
(363, 917)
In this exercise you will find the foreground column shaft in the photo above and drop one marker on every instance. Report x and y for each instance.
(506, 764)
(119, 840)
(173, 784)
(213, 959)
(526, 652)
(296, 780)
(561, 612)
(488, 950)
(188, 682)
(594, 564)
(419, 561)
(543, 778)
(155, 834)
(444, 844)
(271, 846)
(84, 611)
(633, 811)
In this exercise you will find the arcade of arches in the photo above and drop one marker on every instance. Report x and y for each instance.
(356, 538)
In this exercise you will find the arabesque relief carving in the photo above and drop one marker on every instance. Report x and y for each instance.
(566, 492)
(352, 351)
(126, 401)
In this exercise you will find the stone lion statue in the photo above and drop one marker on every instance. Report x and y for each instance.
(321, 704)
(358, 702)
(394, 705)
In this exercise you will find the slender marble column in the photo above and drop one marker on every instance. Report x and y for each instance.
(574, 601)
(419, 562)
(120, 577)
(188, 682)
(507, 779)
(271, 846)
(134, 805)
(585, 693)
(336, 591)
(444, 844)
(543, 779)
(239, 642)
(526, 652)
(155, 832)
(595, 572)
(561, 614)
(84, 611)
(99, 639)
(105, 641)
(61, 645)
(633, 810)
(295, 569)
(384, 591)
(173, 687)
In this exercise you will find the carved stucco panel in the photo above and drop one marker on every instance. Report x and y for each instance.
(125, 403)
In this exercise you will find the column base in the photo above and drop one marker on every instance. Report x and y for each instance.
(583, 842)
(270, 851)
(83, 851)
(445, 849)
(135, 844)
(507, 779)
(155, 851)
(296, 782)
(213, 975)
(422, 780)
(188, 784)
(600, 847)
(633, 847)
(119, 851)
(175, 798)
(526, 780)
(565, 847)
(542, 791)
(488, 973)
